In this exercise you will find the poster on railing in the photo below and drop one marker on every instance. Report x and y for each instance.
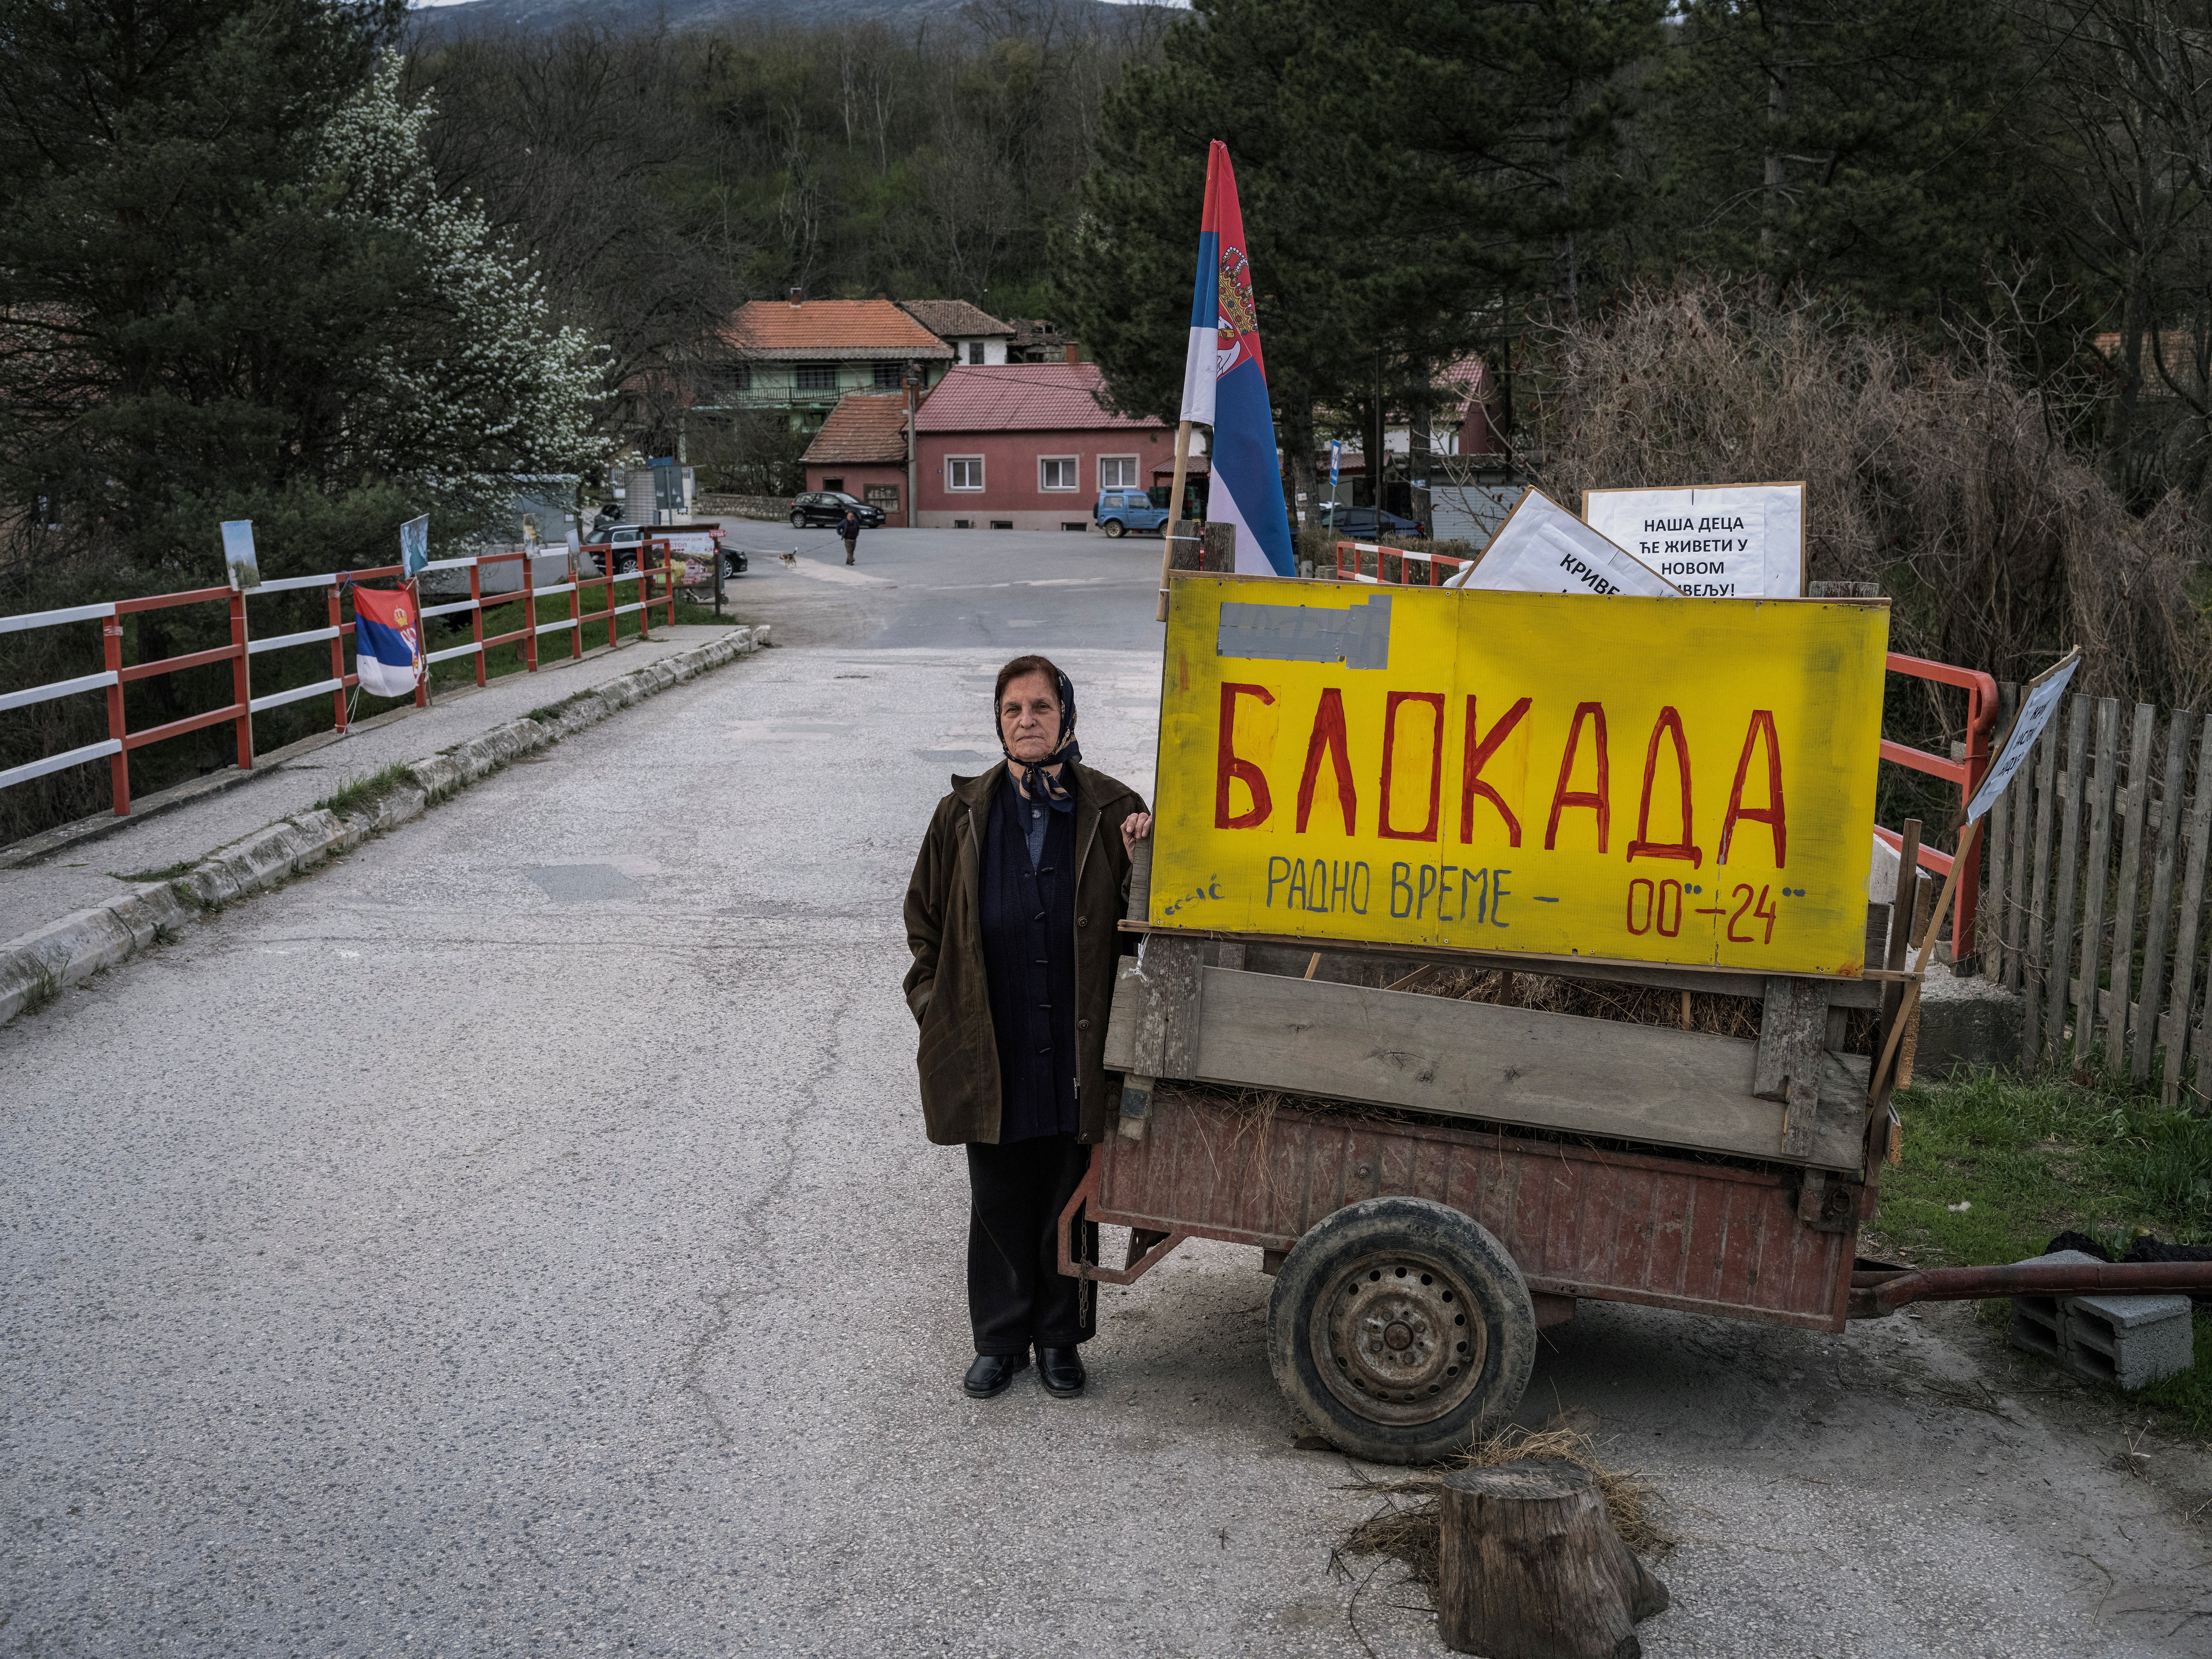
(415, 547)
(1714, 542)
(2038, 702)
(239, 556)
(1541, 548)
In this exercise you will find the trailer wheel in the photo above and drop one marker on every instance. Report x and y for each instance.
(1399, 1326)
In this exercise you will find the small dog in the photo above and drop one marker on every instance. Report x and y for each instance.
(791, 557)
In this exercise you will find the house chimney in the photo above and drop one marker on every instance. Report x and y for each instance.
(1074, 352)
(797, 294)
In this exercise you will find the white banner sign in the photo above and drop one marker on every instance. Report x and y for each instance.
(2038, 702)
(1541, 548)
(1727, 542)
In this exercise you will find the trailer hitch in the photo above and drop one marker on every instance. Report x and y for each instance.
(1876, 1291)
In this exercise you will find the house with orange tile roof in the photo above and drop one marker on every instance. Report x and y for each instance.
(802, 356)
(861, 450)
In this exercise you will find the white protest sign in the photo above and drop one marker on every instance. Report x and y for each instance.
(1723, 541)
(1541, 548)
(2038, 700)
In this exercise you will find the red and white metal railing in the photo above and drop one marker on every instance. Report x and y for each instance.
(1436, 568)
(1966, 772)
(115, 674)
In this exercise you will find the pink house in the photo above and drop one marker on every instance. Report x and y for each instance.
(1028, 447)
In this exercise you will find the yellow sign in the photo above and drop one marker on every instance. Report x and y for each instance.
(1668, 781)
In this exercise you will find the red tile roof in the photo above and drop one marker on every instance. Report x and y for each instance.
(862, 428)
(1022, 398)
(954, 319)
(776, 329)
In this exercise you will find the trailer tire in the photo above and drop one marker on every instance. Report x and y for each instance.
(1400, 1326)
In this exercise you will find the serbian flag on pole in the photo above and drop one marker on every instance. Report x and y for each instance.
(1225, 384)
(388, 646)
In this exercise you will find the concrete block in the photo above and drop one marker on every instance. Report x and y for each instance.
(2128, 1341)
(1964, 1023)
(2131, 1341)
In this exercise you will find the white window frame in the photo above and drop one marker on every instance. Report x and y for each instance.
(1128, 482)
(1073, 463)
(954, 462)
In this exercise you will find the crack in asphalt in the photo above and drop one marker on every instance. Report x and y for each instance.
(752, 1226)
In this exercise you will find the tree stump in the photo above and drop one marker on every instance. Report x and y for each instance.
(1532, 1568)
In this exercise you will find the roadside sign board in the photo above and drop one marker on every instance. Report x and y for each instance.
(2038, 702)
(239, 558)
(1721, 542)
(1686, 781)
(1541, 548)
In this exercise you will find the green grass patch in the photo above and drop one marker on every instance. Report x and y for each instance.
(182, 867)
(359, 794)
(1996, 1165)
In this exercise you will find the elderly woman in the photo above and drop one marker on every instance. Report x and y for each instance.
(1010, 916)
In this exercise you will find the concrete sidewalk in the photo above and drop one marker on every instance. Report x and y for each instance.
(85, 865)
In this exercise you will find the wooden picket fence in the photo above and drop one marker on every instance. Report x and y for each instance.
(2094, 904)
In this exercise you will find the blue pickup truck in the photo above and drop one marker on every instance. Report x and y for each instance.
(1120, 511)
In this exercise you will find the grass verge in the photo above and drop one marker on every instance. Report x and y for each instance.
(359, 794)
(1996, 1165)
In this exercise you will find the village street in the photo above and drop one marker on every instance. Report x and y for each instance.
(519, 1237)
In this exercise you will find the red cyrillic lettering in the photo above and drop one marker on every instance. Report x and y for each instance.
(1329, 737)
(1477, 755)
(1773, 814)
(1435, 700)
(1229, 765)
(1670, 723)
(1599, 800)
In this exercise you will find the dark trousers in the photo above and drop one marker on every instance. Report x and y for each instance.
(1017, 1294)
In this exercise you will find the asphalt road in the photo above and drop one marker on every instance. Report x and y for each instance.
(519, 1238)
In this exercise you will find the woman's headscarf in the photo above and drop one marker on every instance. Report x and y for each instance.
(1036, 785)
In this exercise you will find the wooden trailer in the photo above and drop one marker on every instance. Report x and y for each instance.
(1432, 1180)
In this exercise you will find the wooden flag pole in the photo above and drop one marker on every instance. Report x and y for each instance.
(1174, 516)
(1878, 1090)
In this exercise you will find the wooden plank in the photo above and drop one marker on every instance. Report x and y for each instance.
(1648, 1084)
(2034, 916)
(1993, 926)
(1900, 918)
(2096, 874)
(1849, 991)
(2022, 796)
(2137, 804)
(1792, 1035)
(2066, 878)
(1166, 1044)
(2158, 922)
(2197, 829)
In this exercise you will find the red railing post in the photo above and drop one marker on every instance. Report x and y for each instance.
(337, 662)
(241, 684)
(119, 764)
(614, 620)
(645, 590)
(668, 579)
(476, 615)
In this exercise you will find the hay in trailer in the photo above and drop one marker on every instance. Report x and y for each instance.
(1408, 1528)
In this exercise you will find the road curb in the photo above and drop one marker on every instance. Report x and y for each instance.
(37, 964)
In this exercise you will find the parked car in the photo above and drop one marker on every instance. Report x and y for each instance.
(828, 506)
(1119, 510)
(1370, 521)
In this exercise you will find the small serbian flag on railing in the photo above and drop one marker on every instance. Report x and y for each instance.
(388, 646)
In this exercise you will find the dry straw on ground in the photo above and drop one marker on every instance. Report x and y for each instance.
(1408, 1528)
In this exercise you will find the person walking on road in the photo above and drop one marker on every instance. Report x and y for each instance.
(1010, 917)
(849, 528)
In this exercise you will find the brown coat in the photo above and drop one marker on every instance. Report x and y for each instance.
(946, 987)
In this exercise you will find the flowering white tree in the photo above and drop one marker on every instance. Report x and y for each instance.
(478, 389)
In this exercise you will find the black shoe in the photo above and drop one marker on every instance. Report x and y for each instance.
(1061, 1371)
(992, 1373)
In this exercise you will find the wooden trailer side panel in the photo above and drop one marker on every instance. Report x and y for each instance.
(1581, 1221)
